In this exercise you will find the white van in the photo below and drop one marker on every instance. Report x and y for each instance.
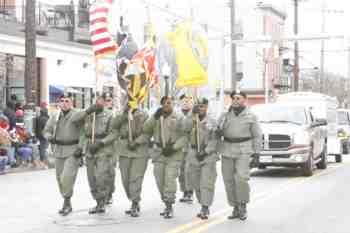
(322, 107)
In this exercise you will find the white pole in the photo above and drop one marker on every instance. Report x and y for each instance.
(266, 83)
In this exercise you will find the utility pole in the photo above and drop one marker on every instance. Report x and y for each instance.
(30, 72)
(296, 49)
(323, 25)
(233, 47)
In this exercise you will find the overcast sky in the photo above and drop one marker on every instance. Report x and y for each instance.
(310, 18)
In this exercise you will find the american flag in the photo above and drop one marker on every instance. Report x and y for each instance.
(102, 41)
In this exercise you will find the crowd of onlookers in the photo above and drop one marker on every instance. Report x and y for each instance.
(22, 146)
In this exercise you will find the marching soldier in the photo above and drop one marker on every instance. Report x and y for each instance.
(99, 152)
(132, 149)
(166, 128)
(203, 156)
(63, 132)
(241, 136)
(109, 105)
(184, 180)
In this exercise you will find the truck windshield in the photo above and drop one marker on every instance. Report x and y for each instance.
(343, 118)
(280, 114)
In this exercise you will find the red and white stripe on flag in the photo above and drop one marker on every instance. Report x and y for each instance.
(101, 39)
(147, 56)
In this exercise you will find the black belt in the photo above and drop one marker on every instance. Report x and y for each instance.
(194, 146)
(66, 143)
(98, 136)
(237, 140)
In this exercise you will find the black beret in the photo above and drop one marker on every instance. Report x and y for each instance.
(66, 95)
(203, 100)
(244, 95)
(164, 98)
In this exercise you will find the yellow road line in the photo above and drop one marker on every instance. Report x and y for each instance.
(222, 219)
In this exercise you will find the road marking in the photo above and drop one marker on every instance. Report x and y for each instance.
(295, 182)
(198, 225)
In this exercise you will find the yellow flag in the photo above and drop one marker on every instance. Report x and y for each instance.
(191, 51)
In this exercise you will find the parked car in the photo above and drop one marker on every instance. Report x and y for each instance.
(344, 128)
(322, 107)
(292, 137)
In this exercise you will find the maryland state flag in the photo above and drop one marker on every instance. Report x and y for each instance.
(191, 49)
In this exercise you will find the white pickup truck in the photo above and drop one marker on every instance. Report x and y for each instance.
(292, 137)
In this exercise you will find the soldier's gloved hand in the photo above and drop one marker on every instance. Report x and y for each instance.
(158, 113)
(168, 150)
(201, 155)
(52, 141)
(132, 146)
(94, 108)
(93, 148)
(195, 109)
(219, 133)
(254, 160)
(78, 153)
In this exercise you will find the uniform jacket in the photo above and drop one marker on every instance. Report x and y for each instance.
(207, 138)
(120, 134)
(64, 128)
(243, 125)
(174, 133)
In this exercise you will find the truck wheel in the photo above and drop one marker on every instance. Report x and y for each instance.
(323, 163)
(338, 158)
(308, 166)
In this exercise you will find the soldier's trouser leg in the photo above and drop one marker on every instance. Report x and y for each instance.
(137, 172)
(188, 184)
(182, 176)
(112, 173)
(195, 179)
(236, 176)
(158, 172)
(208, 175)
(103, 163)
(124, 165)
(171, 174)
(66, 173)
(91, 175)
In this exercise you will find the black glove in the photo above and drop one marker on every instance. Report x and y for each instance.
(201, 155)
(158, 113)
(52, 141)
(219, 133)
(93, 148)
(132, 146)
(94, 108)
(168, 150)
(254, 160)
(78, 153)
(195, 109)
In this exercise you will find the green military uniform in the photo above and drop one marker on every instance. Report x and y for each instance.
(133, 156)
(202, 167)
(99, 164)
(241, 139)
(166, 167)
(63, 131)
(184, 179)
(114, 160)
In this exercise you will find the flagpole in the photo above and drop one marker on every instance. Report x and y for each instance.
(95, 97)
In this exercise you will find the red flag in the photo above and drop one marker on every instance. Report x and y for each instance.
(102, 41)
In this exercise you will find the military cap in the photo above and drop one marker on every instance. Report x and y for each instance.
(203, 100)
(244, 95)
(66, 95)
(164, 98)
(106, 95)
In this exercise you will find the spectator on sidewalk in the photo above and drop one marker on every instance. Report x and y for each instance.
(41, 121)
(9, 112)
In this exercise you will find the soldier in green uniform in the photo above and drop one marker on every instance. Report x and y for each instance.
(241, 140)
(184, 180)
(166, 128)
(99, 152)
(109, 105)
(133, 156)
(203, 155)
(63, 132)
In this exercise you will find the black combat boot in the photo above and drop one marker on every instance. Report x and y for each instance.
(235, 213)
(109, 200)
(99, 208)
(135, 209)
(169, 212)
(204, 213)
(67, 207)
(243, 211)
(184, 197)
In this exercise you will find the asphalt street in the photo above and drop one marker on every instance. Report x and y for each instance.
(283, 201)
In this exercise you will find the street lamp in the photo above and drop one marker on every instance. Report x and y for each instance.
(166, 74)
